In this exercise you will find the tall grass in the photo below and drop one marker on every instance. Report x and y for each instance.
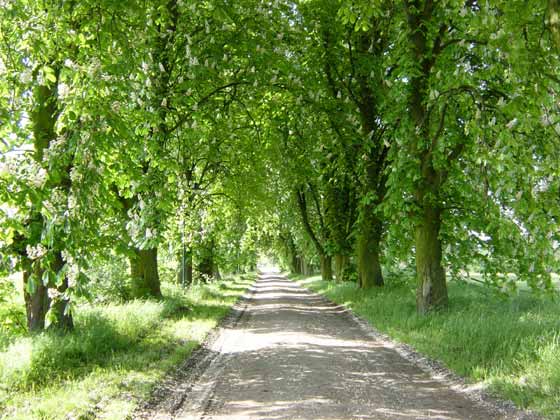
(116, 354)
(511, 345)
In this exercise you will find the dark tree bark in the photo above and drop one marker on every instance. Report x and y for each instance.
(37, 302)
(373, 146)
(341, 266)
(60, 306)
(43, 117)
(431, 292)
(326, 261)
(294, 258)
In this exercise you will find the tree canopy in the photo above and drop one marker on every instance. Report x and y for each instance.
(354, 135)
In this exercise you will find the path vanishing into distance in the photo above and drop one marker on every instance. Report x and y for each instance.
(288, 353)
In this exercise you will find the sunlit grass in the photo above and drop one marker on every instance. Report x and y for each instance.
(511, 345)
(113, 359)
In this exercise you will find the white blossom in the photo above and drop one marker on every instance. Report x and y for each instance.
(4, 169)
(26, 76)
(512, 123)
(545, 120)
(63, 90)
(38, 178)
(35, 252)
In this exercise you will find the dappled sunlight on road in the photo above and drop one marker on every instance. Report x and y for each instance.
(296, 355)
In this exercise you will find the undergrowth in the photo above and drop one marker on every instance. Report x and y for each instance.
(511, 345)
(116, 354)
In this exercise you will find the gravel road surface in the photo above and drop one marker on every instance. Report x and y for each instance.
(288, 353)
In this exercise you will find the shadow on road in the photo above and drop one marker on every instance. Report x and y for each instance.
(296, 355)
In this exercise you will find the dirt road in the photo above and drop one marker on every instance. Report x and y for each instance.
(291, 354)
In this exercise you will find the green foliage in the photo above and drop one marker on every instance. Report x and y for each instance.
(136, 125)
(117, 349)
(12, 313)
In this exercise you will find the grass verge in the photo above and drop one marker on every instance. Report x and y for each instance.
(509, 345)
(114, 357)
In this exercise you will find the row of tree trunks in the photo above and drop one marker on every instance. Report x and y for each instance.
(325, 259)
(368, 245)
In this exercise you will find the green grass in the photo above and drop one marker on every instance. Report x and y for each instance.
(113, 358)
(510, 345)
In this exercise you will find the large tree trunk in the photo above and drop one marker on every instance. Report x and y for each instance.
(368, 249)
(326, 263)
(62, 317)
(326, 268)
(340, 265)
(36, 299)
(431, 291)
(43, 116)
(144, 273)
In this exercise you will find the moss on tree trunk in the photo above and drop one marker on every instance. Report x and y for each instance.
(368, 250)
(144, 273)
(340, 266)
(431, 291)
(326, 268)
